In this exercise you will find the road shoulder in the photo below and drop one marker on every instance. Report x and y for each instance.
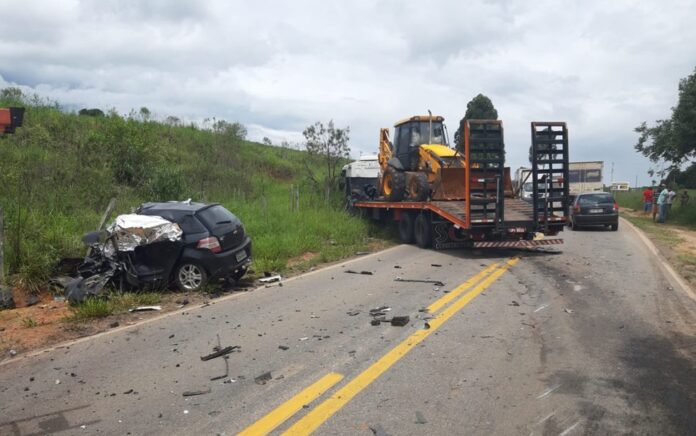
(665, 256)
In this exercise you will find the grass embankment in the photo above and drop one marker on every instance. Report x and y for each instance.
(60, 169)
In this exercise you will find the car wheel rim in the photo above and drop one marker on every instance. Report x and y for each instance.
(190, 277)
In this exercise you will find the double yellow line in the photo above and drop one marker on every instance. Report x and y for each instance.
(322, 412)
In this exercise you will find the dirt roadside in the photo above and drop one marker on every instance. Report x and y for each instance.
(677, 244)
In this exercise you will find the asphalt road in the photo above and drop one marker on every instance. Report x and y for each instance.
(594, 340)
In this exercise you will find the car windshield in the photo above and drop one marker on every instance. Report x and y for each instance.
(595, 199)
(420, 133)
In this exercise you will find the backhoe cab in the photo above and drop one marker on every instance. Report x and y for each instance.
(419, 164)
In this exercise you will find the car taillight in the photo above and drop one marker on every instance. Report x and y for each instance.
(210, 243)
(576, 208)
(616, 207)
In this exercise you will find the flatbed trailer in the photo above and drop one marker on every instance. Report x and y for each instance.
(486, 217)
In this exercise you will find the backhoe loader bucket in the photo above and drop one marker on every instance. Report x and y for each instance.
(450, 184)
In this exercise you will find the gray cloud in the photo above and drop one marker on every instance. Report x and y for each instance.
(280, 66)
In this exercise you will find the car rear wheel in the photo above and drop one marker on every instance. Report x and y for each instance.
(572, 225)
(190, 277)
(615, 227)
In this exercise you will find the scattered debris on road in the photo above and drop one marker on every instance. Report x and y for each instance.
(283, 347)
(271, 279)
(353, 312)
(195, 392)
(220, 352)
(434, 282)
(436, 265)
(263, 378)
(350, 271)
(145, 309)
(420, 419)
(400, 321)
(514, 303)
(566, 310)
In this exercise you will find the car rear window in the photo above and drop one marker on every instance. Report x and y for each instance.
(217, 216)
(191, 225)
(591, 199)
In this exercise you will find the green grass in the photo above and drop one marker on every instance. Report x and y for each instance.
(687, 259)
(655, 230)
(112, 304)
(29, 322)
(59, 171)
(683, 216)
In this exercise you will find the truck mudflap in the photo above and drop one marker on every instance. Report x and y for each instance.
(522, 243)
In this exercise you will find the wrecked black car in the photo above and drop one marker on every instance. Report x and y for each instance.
(184, 243)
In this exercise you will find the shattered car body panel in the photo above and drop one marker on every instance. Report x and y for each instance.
(133, 230)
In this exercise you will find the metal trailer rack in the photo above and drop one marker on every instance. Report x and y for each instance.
(486, 218)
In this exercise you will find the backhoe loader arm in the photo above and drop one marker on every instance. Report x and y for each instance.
(385, 148)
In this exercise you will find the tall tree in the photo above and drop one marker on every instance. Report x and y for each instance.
(331, 146)
(479, 108)
(673, 140)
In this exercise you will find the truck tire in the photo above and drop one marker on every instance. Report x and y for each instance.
(417, 186)
(423, 230)
(393, 184)
(406, 228)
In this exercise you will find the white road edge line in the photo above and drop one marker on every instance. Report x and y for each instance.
(670, 271)
(22, 357)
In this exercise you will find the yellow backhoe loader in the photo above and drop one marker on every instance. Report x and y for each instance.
(419, 164)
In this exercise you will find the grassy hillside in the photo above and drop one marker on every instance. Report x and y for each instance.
(58, 172)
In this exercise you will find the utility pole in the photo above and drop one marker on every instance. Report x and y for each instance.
(612, 173)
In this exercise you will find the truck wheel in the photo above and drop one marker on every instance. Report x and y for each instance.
(423, 231)
(393, 184)
(417, 187)
(190, 277)
(406, 228)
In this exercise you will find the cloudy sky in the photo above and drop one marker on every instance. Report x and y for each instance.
(601, 66)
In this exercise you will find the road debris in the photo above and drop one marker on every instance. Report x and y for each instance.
(350, 271)
(283, 347)
(195, 392)
(361, 253)
(145, 309)
(436, 265)
(566, 310)
(303, 338)
(353, 312)
(434, 282)
(271, 279)
(420, 419)
(514, 303)
(263, 378)
(220, 352)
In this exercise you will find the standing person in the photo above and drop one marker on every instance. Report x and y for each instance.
(662, 204)
(647, 200)
(670, 198)
(684, 198)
